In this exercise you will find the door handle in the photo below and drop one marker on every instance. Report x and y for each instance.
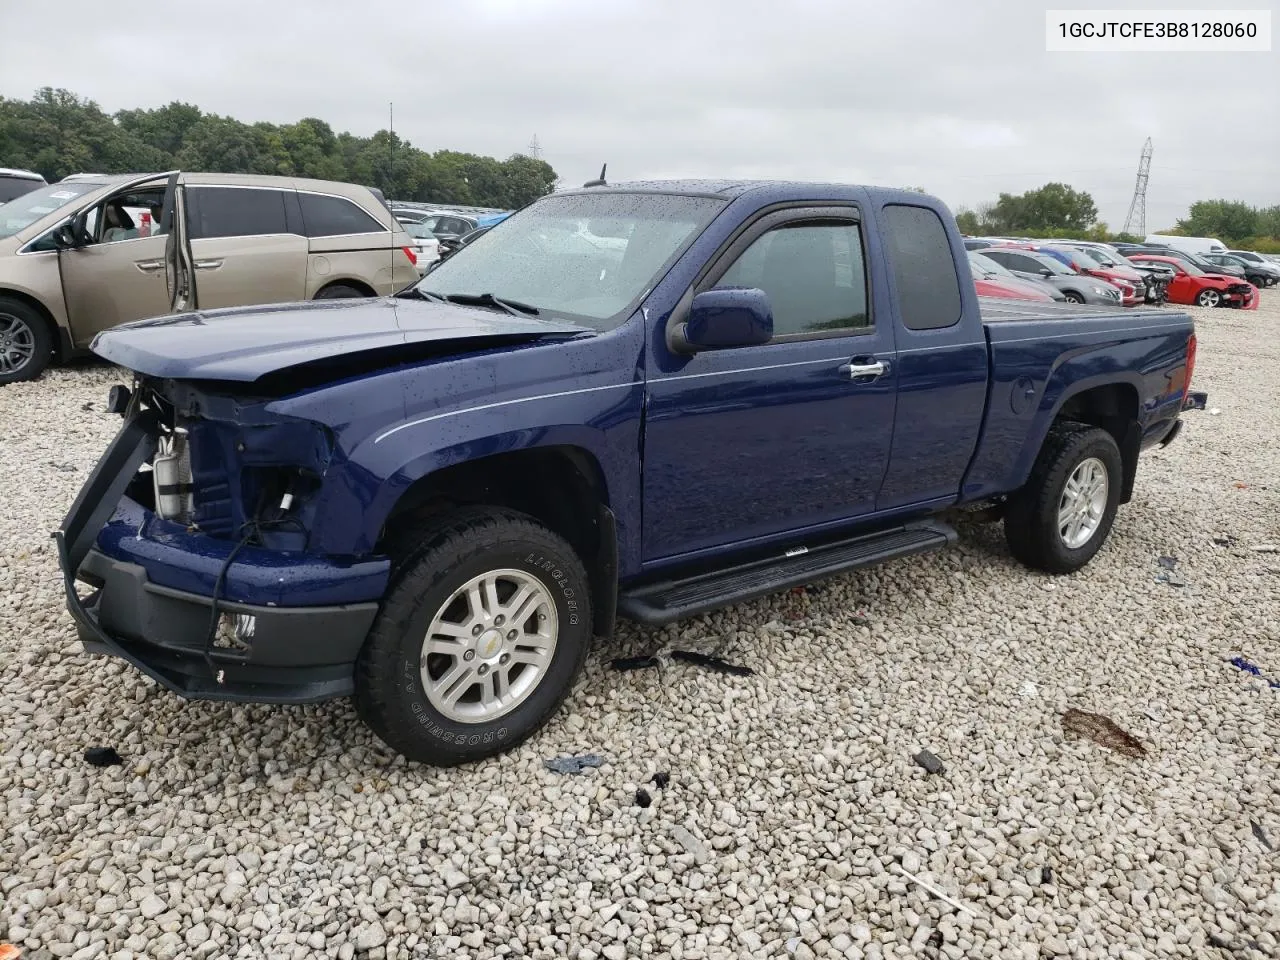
(208, 264)
(149, 265)
(864, 371)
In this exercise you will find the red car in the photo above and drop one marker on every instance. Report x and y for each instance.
(1007, 290)
(1193, 287)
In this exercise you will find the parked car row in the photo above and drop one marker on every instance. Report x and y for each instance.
(89, 253)
(1148, 273)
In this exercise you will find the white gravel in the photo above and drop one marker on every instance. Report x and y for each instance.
(234, 831)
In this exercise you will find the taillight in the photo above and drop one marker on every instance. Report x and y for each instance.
(1191, 364)
(413, 257)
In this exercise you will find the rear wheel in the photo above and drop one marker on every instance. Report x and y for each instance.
(339, 291)
(1062, 516)
(26, 346)
(478, 641)
(1209, 298)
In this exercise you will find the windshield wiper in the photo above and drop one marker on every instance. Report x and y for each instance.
(513, 307)
(414, 291)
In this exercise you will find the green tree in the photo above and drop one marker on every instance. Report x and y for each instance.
(164, 128)
(1227, 219)
(968, 221)
(1055, 206)
(57, 132)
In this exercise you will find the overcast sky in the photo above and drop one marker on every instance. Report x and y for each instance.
(957, 97)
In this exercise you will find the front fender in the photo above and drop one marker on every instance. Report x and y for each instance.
(604, 421)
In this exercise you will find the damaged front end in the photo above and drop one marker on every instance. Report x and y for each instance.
(192, 533)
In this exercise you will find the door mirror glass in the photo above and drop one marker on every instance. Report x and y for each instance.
(728, 317)
(66, 237)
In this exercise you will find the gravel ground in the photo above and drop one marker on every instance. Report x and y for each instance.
(234, 831)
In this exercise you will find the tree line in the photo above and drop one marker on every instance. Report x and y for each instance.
(57, 133)
(1057, 210)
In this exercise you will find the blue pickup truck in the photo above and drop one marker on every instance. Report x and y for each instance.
(434, 501)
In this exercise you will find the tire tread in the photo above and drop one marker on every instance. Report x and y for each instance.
(1028, 509)
(445, 542)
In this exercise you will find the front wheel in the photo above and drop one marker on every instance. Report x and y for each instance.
(1209, 298)
(478, 641)
(1062, 516)
(25, 345)
(1073, 297)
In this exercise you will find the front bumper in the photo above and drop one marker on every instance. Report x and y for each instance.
(297, 653)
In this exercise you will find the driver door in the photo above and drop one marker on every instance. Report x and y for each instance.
(107, 282)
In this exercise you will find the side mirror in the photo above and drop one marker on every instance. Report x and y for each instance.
(732, 317)
(66, 237)
(1046, 272)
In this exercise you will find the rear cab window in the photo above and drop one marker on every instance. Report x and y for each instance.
(924, 270)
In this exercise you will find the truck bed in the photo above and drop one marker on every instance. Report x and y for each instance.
(996, 310)
(1043, 352)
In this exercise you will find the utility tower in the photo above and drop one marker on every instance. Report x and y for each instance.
(535, 148)
(1136, 221)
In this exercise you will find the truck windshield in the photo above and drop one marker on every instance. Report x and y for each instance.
(586, 257)
(22, 212)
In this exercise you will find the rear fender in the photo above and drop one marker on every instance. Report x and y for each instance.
(1061, 388)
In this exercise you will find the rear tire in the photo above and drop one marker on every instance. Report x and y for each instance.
(1209, 298)
(495, 595)
(26, 343)
(339, 291)
(1053, 528)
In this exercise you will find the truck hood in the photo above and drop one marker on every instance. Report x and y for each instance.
(247, 343)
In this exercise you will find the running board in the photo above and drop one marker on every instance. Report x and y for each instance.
(669, 600)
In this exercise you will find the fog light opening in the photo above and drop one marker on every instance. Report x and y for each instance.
(235, 632)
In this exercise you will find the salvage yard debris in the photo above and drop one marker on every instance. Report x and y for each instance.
(103, 757)
(1102, 731)
(573, 764)
(1240, 663)
(934, 890)
(711, 663)
(929, 761)
(634, 663)
(1261, 834)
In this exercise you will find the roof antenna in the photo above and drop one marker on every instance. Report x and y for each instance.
(599, 182)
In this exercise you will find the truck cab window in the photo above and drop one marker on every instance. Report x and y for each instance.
(924, 272)
(813, 273)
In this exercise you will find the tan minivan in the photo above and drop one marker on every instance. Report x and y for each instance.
(86, 254)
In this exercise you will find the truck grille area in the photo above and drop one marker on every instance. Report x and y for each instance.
(213, 508)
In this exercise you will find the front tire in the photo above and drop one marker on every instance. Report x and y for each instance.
(26, 346)
(479, 639)
(1060, 519)
(1209, 298)
(1073, 297)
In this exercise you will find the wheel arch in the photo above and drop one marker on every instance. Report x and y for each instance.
(354, 283)
(561, 485)
(1106, 402)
